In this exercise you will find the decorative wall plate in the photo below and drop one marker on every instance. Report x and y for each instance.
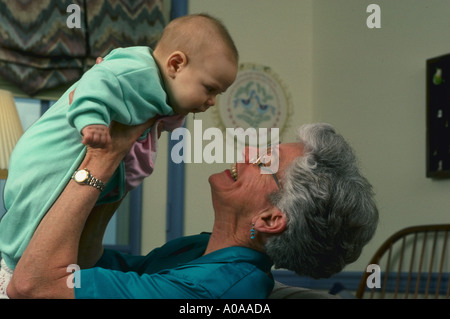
(257, 99)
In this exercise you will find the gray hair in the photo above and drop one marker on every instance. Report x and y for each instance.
(330, 209)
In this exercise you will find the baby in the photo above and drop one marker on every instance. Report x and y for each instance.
(194, 60)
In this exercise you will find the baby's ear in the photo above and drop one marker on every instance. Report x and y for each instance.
(176, 62)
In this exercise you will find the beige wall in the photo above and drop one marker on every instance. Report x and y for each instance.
(368, 83)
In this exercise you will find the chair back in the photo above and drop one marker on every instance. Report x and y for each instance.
(413, 263)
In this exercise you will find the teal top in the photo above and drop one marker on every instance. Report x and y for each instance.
(126, 87)
(179, 270)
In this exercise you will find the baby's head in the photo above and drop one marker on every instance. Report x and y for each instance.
(198, 60)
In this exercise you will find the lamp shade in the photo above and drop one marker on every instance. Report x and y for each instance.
(10, 130)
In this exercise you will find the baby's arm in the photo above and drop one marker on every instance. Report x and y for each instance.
(96, 136)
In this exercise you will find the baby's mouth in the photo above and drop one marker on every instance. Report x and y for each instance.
(233, 171)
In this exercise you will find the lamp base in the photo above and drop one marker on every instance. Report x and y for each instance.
(3, 173)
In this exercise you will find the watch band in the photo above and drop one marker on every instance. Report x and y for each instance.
(83, 176)
(95, 182)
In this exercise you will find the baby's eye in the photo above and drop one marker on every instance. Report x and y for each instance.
(211, 89)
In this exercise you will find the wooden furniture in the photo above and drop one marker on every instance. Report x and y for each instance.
(414, 263)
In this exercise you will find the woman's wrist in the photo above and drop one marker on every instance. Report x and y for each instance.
(101, 164)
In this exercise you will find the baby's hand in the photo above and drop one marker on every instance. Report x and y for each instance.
(96, 136)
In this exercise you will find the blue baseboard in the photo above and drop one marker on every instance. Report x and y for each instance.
(350, 281)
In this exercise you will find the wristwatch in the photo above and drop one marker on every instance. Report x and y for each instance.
(83, 176)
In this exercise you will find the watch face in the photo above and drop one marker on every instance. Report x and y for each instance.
(81, 176)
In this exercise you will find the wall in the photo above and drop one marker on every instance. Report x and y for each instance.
(368, 83)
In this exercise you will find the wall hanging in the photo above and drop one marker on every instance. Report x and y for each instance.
(438, 116)
(40, 49)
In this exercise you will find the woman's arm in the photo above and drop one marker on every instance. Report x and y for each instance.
(42, 271)
(91, 242)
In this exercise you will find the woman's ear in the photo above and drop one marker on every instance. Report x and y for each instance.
(175, 63)
(271, 222)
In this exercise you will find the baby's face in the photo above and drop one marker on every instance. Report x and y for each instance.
(195, 86)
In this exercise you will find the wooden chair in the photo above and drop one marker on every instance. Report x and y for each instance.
(414, 263)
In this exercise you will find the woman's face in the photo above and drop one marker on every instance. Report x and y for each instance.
(245, 187)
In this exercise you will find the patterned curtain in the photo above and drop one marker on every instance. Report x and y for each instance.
(42, 48)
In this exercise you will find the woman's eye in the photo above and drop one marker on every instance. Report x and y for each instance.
(266, 159)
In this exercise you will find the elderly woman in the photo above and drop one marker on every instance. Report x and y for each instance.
(313, 216)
